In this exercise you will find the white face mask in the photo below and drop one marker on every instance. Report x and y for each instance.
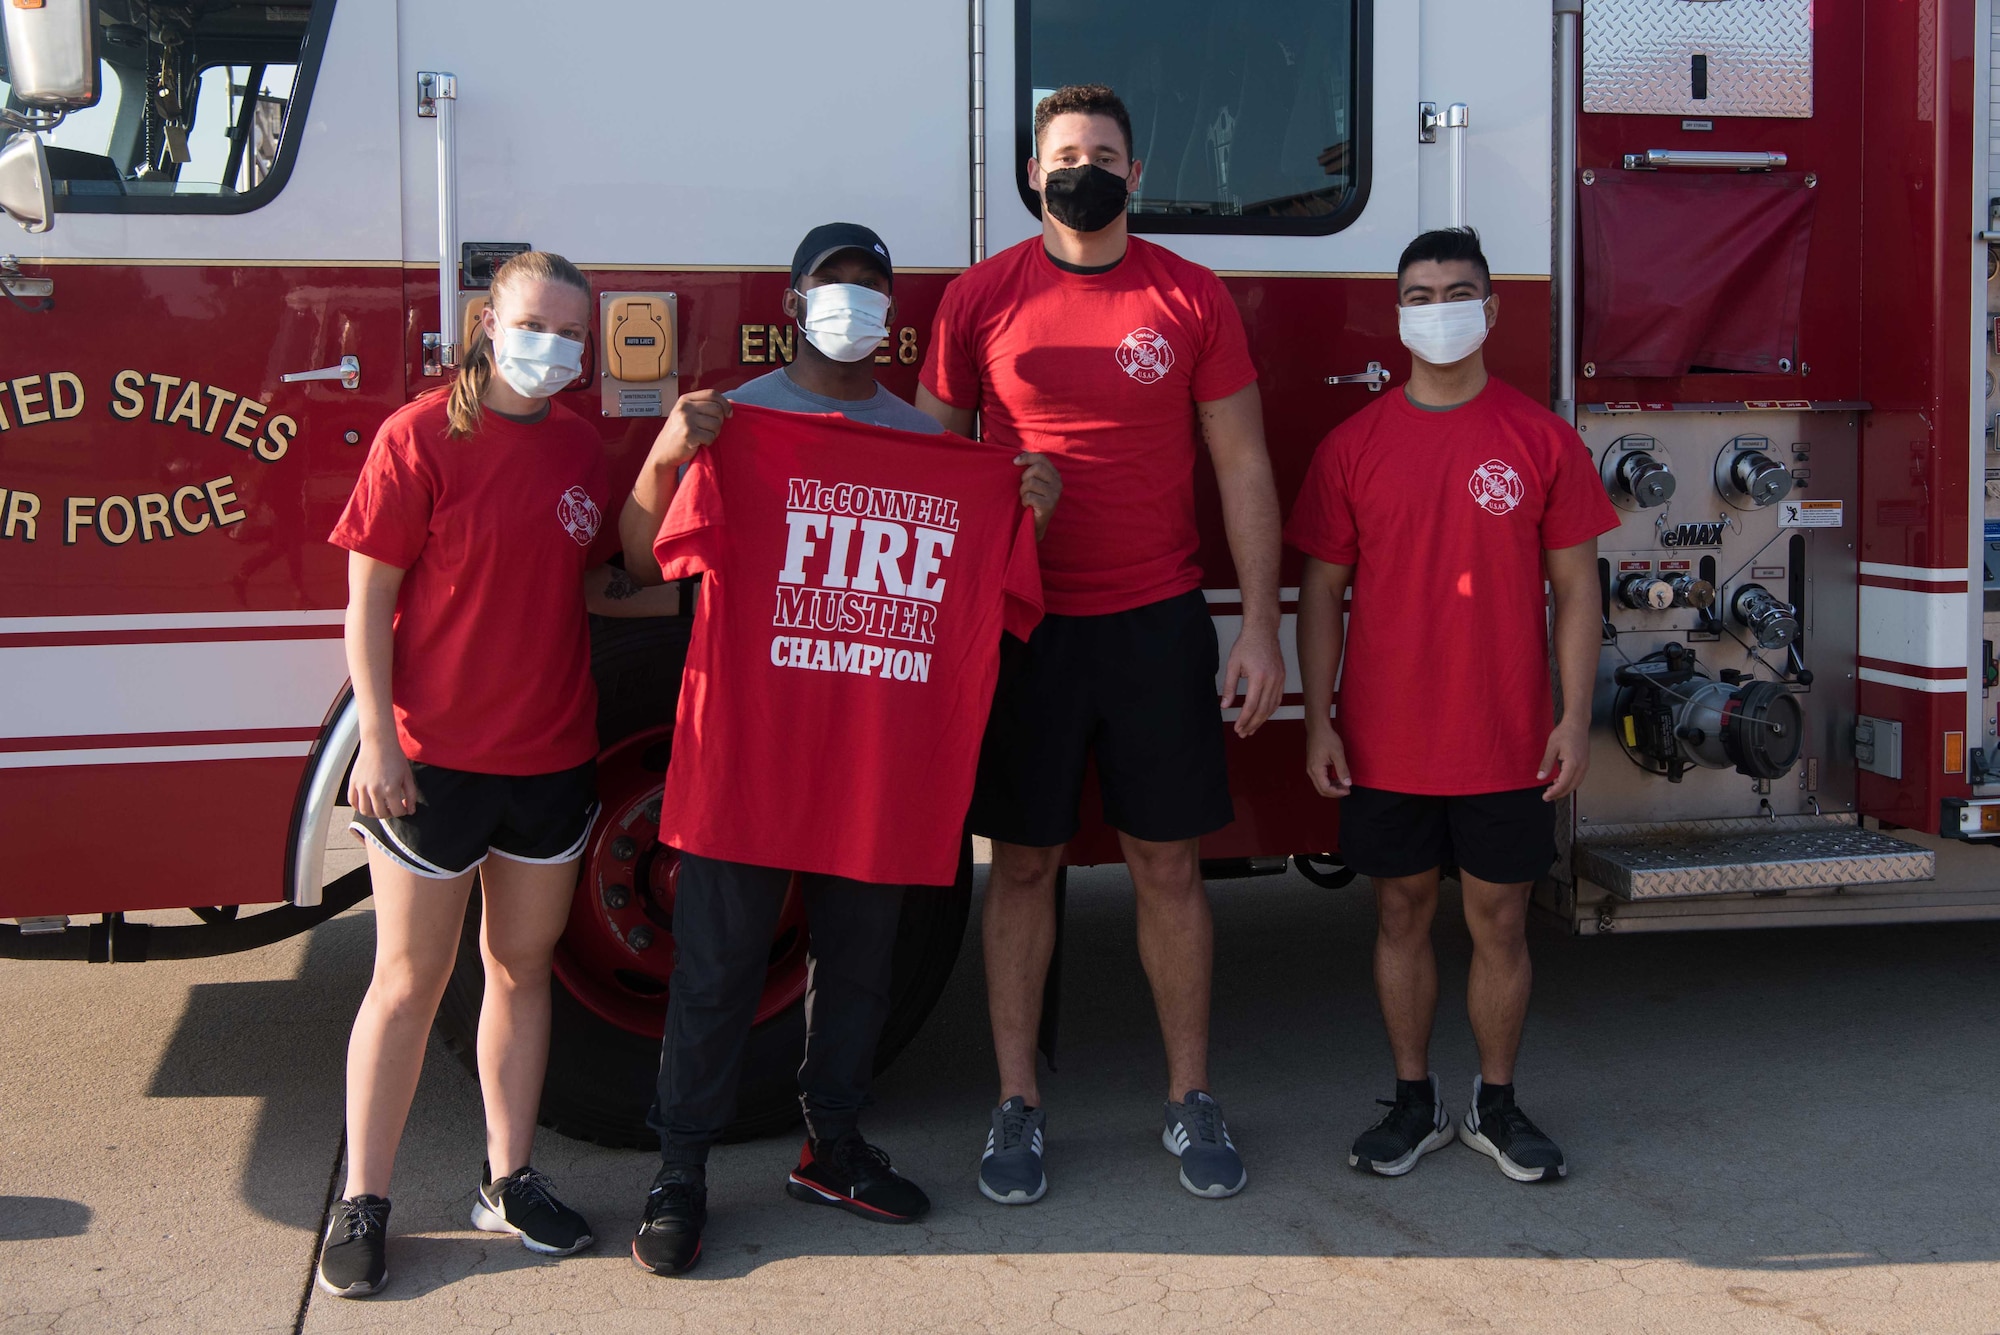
(536, 365)
(846, 321)
(1444, 332)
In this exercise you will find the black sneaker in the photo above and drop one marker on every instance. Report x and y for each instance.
(353, 1263)
(524, 1203)
(1411, 1130)
(669, 1237)
(1504, 1134)
(857, 1177)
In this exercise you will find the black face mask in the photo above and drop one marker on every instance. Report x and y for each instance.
(1084, 198)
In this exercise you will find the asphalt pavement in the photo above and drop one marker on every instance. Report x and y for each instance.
(1768, 1131)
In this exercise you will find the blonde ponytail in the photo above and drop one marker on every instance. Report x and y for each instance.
(475, 360)
(475, 370)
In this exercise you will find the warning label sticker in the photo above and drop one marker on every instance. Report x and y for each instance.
(1809, 514)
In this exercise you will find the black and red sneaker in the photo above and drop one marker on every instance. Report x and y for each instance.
(857, 1177)
(669, 1237)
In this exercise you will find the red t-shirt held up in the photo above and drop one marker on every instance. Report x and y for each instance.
(846, 641)
(494, 532)
(1102, 373)
(1445, 686)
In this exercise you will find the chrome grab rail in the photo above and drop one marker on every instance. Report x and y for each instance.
(1713, 159)
(437, 99)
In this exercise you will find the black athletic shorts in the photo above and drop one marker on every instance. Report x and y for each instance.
(462, 817)
(1504, 837)
(1137, 689)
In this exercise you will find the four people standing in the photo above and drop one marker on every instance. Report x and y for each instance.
(1084, 349)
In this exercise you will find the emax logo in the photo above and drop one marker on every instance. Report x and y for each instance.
(1693, 535)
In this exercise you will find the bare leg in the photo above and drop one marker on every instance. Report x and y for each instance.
(417, 924)
(1502, 975)
(1177, 948)
(1019, 930)
(1406, 978)
(527, 906)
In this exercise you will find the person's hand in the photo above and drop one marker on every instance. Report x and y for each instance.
(1041, 488)
(382, 786)
(1255, 660)
(1566, 757)
(695, 421)
(1326, 762)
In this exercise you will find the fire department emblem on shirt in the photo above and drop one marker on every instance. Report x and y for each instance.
(1495, 487)
(579, 515)
(1145, 355)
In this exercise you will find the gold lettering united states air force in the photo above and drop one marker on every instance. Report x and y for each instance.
(863, 579)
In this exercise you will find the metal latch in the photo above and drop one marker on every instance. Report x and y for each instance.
(348, 373)
(18, 285)
(1376, 376)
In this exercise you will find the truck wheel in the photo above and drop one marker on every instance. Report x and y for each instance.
(614, 965)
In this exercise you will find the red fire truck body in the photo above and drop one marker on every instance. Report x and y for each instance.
(1739, 242)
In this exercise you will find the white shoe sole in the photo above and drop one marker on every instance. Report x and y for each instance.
(1486, 1147)
(1214, 1193)
(488, 1220)
(362, 1290)
(1437, 1139)
(1014, 1197)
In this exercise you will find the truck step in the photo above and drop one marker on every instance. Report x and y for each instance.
(1696, 858)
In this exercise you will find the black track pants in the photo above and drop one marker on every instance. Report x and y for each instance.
(725, 914)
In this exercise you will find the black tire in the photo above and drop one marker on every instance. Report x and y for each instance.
(600, 1077)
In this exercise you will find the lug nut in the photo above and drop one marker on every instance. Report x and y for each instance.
(616, 897)
(623, 848)
(640, 937)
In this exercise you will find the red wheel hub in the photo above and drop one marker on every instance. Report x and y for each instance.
(617, 954)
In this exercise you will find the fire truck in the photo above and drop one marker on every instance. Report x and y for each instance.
(1747, 246)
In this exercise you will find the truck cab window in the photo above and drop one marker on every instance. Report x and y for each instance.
(1249, 118)
(200, 107)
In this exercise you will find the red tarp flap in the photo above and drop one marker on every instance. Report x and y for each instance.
(1681, 271)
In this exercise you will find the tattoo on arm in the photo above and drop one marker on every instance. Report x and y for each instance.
(621, 585)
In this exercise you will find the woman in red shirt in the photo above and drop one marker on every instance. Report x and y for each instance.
(469, 533)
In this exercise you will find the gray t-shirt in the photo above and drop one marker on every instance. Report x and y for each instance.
(778, 390)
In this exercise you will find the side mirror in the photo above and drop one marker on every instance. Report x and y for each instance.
(27, 195)
(52, 53)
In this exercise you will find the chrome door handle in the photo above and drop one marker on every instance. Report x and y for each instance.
(348, 373)
(1376, 376)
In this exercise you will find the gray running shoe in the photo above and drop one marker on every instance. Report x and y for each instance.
(1411, 1130)
(1196, 1135)
(1010, 1172)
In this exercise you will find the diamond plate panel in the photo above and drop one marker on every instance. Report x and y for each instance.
(1638, 57)
(1678, 865)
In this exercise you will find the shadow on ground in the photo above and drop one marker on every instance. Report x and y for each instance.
(1778, 1100)
(283, 1041)
(34, 1218)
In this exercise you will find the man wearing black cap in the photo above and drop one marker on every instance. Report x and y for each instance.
(724, 912)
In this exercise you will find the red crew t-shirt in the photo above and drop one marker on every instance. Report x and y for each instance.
(1445, 686)
(846, 642)
(1102, 373)
(492, 649)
